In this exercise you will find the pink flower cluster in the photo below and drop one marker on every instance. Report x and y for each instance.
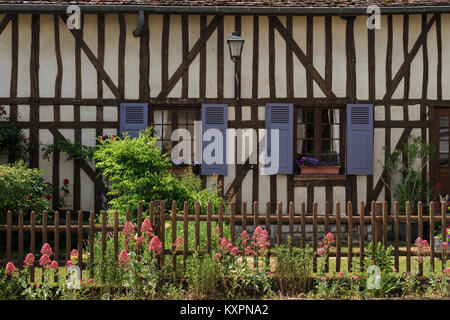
(326, 245)
(422, 248)
(146, 228)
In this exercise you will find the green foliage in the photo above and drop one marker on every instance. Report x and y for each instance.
(203, 276)
(135, 170)
(12, 139)
(379, 255)
(405, 177)
(294, 269)
(22, 188)
(73, 150)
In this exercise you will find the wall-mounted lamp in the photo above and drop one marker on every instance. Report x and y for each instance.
(235, 44)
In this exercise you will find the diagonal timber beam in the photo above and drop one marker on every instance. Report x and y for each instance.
(409, 58)
(95, 62)
(83, 164)
(305, 60)
(183, 67)
(4, 22)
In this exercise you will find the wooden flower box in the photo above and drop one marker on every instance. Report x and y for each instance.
(320, 170)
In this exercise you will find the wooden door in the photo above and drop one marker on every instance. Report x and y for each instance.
(442, 141)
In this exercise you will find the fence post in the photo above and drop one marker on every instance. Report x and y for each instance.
(420, 231)
(174, 233)
(255, 215)
(186, 230)
(44, 227)
(116, 234)
(373, 224)
(350, 235)
(56, 224)
(303, 223)
(162, 226)
(279, 223)
(32, 240)
(408, 236)
(220, 219)
(80, 239)
(291, 223)
(68, 235)
(8, 235)
(197, 225)
(338, 237)
(91, 242)
(244, 216)
(361, 234)
(268, 210)
(139, 217)
(443, 228)
(432, 234)
(326, 230)
(315, 234)
(21, 236)
(396, 236)
(385, 223)
(208, 227)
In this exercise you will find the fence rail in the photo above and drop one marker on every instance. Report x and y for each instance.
(376, 225)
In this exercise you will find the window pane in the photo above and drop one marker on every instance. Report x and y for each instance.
(443, 159)
(309, 115)
(325, 146)
(325, 116)
(443, 121)
(325, 131)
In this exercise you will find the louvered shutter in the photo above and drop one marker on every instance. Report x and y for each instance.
(133, 118)
(281, 116)
(360, 139)
(214, 116)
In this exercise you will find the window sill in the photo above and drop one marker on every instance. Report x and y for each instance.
(303, 177)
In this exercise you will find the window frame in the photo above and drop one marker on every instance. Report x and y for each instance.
(317, 132)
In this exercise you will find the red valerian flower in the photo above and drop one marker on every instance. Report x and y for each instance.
(128, 229)
(29, 260)
(44, 260)
(66, 181)
(146, 228)
(46, 249)
(10, 268)
(54, 265)
(178, 243)
(123, 258)
(74, 252)
(69, 263)
(155, 245)
(48, 196)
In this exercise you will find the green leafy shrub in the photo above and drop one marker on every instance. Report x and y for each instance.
(203, 276)
(136, 170)
(12, 139)
(22, 188)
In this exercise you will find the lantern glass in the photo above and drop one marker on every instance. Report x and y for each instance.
(235, 44)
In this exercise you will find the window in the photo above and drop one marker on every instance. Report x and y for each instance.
(167, 120)
(319, 134)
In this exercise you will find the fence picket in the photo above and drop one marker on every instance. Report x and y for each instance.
(80, 239)
(20, 235)
(443, 228)
(338, 237)
(220, 219)
(208, 227)
(432, 234)
(279, 223)
(186, 231)
(268, 218)
(174, 232)
(350, 236)
(326, 230)
(291, 223)
(408, 236)
(139, 217)
(44, 227)
(255, 215)
(162, 225)
(420, 230)
(197, 225)
(244, 216)
(303, 224)
(56, 234)
(361, 234)
(91, 242)
(116, 234)
(396, 235)
(315, 234)
(32, 240)
(385, 223)
(373, 224)
(8, 235)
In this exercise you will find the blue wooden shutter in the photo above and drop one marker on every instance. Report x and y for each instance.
(214, 116)
(281, 116)
(360, 139)
(133, 118)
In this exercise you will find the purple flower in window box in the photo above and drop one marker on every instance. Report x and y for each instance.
(312, 166)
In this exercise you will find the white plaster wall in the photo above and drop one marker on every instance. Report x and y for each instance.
(380, 58)
(23, 76)
(362, 60)
(339, 196)
(247, 56)
(263, 62)
(300, 195)
(416, 80)
(175, 52)
(131, 58)
(155, 24)
(111, 59)
(194, 68)
(88, 72)
(282, 191)
(280, 62)
(397, 53)
(339, 57)
(319, 52)
(67, 43)
(6, 60)
(319, 197)
(247, 188)
(299, 35)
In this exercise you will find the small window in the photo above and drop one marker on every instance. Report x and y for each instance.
(165, 121)
(318, 134)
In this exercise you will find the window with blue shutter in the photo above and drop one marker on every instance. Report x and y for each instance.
(280, 116)
(214, 116)
(360, 139)
(133, 118)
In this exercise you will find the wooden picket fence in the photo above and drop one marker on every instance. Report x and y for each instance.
(379, 219)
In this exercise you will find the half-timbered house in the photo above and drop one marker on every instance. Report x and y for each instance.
(316, 61)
